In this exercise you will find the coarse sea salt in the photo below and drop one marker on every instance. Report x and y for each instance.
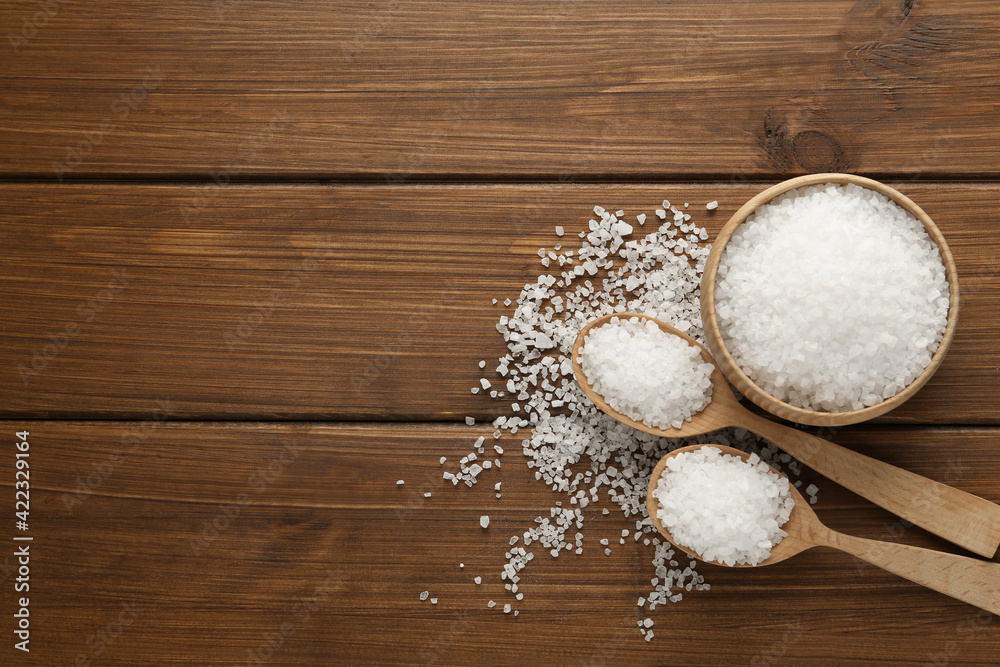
(571, 446)
(723, 508)
(641, 371)
(832, 297)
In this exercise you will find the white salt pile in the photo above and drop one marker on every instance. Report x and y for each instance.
(832, 297)
(641, 371)
(573, 447)
(723, 508)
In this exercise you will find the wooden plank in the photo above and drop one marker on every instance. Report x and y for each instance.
(315, 514)
(580, 88)
(318, 302)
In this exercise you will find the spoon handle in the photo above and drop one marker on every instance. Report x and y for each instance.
(967, 520)
(967, 579)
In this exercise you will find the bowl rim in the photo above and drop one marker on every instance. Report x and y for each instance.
(750, 389)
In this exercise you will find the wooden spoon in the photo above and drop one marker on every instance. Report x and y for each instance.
(957, 516)
(967, 579)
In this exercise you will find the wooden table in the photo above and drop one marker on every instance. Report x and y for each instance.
(249, 252)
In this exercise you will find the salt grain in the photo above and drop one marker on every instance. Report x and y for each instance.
(649, 375)
(832, 297)
(723, 508)
(570, 445)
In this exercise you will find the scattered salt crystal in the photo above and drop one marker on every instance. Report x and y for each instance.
(470, 421)
(563, 429)
(423, 596)
(399, 482)
(478, 580)
(484, 521)
(559, 231)
(434, 600)
(712, 205)
(506, 609)
(482, 364)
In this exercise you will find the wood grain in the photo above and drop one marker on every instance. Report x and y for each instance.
(578, 88)
(359, 302)
(325, 521)
(202, 299)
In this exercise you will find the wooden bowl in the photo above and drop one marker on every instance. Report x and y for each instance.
(736, 375)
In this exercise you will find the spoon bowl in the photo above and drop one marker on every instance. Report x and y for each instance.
(712, 418)
(970, 580)
(801, 516)
(967, 520)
